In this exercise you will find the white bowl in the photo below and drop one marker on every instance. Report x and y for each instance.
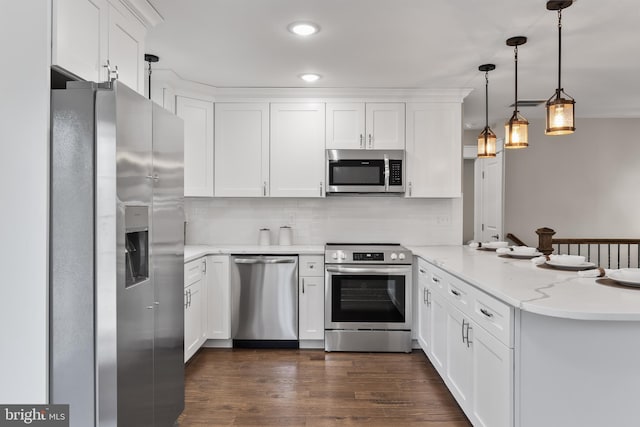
(524, 250)
(495, 245)
(568, 259)
(632, 274)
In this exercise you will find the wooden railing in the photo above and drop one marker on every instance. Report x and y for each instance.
(515, 239)
(607, 253)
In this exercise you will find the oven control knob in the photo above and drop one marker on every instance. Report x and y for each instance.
(342, 255)
(334, 255)
(401, 256)
(394, 256)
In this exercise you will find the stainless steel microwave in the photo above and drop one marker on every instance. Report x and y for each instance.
(365, 171)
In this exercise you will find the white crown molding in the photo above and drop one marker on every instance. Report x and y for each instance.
(144, 11)
(293, 94)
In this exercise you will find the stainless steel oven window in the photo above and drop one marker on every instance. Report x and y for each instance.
(368, 299)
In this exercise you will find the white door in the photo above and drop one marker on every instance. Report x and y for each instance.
(489, 202)
(126, 48)
(345, 125)
(492, 380)
(434, 150)
(297, 150)
(458, 367)
(241, 150)
(311, 318)
(198, 145)
(79, 42)
(385, 125)
(218, 305)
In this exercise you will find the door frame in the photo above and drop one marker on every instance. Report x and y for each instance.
(479, 197)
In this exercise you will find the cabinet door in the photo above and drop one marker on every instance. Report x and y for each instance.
(345, 125)
(311, 326)
(218, 307)
(458, 367)
(198, 145)
(434, 150)
(438, 331)
(192, 319)
(126, 47)
(297, 150)
(424, 310)
(79, 42)
(385, 125)
(241, 150)
(492, 401)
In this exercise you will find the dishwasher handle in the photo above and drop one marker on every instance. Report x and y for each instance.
(264, 261)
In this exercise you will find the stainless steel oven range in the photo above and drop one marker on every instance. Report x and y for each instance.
(368, 297)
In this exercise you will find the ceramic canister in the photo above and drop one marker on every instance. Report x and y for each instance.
(285, 236)
(264, 237)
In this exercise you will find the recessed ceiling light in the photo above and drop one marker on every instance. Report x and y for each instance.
(309, 77)
(303, 28)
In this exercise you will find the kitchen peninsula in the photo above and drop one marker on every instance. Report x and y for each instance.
(526, 345)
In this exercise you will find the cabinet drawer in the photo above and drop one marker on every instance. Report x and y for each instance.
(493, 315)
(438, 278)
(311, 265)
(460, 294)
(192, 272)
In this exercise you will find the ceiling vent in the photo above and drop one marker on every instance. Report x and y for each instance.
(529, 102)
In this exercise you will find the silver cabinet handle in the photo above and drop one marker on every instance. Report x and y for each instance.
(469, 329)
(370, 141)
(149, 176)
(156, 177)
(464, 322)
(108, 67)
(186, 299)
(264, 261)
(189, 297)
(303, 285)
(264, 188)
(428, 298)
(204, 265)
(149, 307)
(422, 271)
(410, 189)
(486, 312)
(357, 270)
(116, 73)
(454, 292)
(361, 141)
(321, 187)
(156, 302)
(434, 279)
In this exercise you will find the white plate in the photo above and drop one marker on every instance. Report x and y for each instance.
(620, 278)
(572, 267)
(523, 256)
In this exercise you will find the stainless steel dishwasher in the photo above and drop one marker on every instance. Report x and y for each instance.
(264, 295)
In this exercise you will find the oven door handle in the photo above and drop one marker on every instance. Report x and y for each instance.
(384, 270)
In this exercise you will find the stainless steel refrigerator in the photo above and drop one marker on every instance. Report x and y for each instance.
(116, 257)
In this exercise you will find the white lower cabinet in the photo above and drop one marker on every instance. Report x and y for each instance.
(218, 308)
(195, 319)
(476, 365)
(311, 298)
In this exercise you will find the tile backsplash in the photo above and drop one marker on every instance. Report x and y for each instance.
(317, 221)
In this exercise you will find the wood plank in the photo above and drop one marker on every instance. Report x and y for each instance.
(314, 388)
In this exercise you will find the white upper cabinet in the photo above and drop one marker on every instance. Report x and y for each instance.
(345, 125)
(434, 149)
(78, 44)
(198, 145)
(126, 47)
(241, 150)
(366, 126)
(297, 150)
(88, 34)
(385, 126)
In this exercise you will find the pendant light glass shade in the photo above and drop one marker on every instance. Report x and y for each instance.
(486, 139)
(560, 107)
(517, 128)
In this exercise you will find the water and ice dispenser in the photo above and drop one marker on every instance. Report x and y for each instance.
(136, 244)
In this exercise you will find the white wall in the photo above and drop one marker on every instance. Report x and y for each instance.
(582, 185)
(318, 221)
(25, 43)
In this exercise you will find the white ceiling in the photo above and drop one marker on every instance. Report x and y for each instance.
(412, 44)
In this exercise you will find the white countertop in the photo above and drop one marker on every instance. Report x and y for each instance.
(539, 290)
(192, 252)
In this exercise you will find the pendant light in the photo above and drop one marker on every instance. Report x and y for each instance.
(517, 128)
(560, 107)
(486, 139)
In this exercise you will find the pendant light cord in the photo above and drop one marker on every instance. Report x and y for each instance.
(486, 103)
(559, 47)
(515, 49)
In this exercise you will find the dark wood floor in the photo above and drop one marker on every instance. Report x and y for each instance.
(314, 388)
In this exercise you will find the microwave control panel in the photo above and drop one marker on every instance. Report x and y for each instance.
(395, 167)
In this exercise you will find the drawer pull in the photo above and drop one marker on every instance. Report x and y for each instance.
(456, 293)
(464, 323)
(422, 271)
(434, 279)
(486, 313)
